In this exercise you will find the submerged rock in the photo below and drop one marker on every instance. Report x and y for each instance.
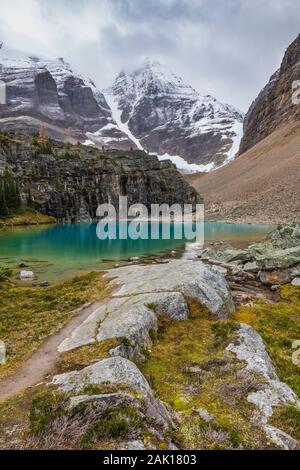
(26, 275)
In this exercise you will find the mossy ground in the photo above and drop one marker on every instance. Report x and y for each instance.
(40, 419)
(279, 326)
(82, 357)
(287, 419)
(30, 314)
(26, 216)
(188, 369)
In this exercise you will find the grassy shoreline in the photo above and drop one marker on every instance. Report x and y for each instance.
(29, 315)
(26, 217)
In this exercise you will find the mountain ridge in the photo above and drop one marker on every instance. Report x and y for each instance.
(151, 109)
(262, 184)
(168, 117)
(53, 93)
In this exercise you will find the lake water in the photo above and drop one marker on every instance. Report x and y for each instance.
(59, 251)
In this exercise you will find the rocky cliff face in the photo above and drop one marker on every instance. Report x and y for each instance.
(70, 183)
(273, 106)
(41, 91)
(165, 115)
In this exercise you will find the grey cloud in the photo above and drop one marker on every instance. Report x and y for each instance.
(224, 48)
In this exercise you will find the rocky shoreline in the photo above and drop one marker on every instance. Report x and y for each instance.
(141, 297)
(167, 361)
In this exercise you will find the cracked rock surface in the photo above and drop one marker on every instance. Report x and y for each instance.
(145, 292)
(272, 392)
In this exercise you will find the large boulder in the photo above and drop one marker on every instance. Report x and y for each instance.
(143, 294)
(116, 370)
(124, 376)
(193, 279)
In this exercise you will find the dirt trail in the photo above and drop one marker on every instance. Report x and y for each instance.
(42, 361)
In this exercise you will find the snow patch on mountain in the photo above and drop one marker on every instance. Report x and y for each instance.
(116, 113)
(180, 163)
(237, 134)
(161, 113)
(186, 167)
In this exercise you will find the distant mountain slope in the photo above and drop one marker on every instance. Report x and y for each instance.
(166, 116)
(273, 106)
(41, 91)
(260, 186)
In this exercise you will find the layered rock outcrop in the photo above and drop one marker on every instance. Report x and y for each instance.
(71, 182)
(280, 252)
(274, 105)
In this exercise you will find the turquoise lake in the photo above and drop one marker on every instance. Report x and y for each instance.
(60, 251)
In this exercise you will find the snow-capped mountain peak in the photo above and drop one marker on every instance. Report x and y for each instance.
(169, 117)
(42, 91)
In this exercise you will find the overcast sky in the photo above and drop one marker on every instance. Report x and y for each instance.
(227, 48)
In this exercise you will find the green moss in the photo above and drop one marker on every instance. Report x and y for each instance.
(116, 423)
(125, 341)
(287, 419)
(5, 274)
(91, 389)
(46, 406)
(188, 368)
(279, 326)
(223, 330)
(28, 315)
(82, 357)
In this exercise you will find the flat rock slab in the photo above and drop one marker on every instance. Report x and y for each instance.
(142, 294)
(192, 278)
